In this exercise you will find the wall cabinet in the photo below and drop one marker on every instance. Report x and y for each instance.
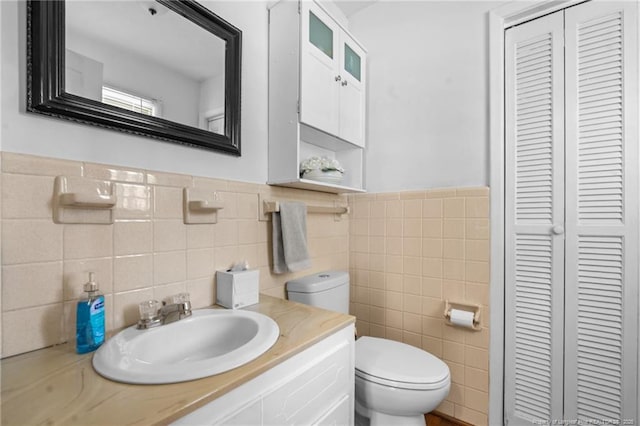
(331, 76)
(315, 386)
(317, 81)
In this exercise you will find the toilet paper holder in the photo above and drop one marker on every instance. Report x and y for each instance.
(467, 307)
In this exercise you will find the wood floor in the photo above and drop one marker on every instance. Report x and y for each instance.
(438, 419)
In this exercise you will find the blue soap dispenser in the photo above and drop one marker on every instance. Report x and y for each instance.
(90, 318)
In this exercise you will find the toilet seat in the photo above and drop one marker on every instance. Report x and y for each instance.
(396, 364)
(401, 385)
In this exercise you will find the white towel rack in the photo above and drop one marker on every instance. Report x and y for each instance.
(274, 206)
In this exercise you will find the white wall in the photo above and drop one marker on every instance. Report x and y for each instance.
(211, 97)
(83, 75)
(427, 100)
(428, 86)
(142, 76)
(36, 134)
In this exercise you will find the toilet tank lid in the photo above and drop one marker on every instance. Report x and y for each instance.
(318, 282)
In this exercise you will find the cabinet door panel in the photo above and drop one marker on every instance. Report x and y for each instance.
(319, 89)
(340, 414)
(352, 91)
(352, 62)
(321, 35)
(308, 395)
(251, 415)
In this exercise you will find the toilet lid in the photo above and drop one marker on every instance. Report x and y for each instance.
(397, 364)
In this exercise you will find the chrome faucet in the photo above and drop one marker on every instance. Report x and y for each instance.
(152, 314)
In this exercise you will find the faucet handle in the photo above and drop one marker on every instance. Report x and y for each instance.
(149, 309)
(183, 300)
(180, 303)
(180, 298)
(149, 314)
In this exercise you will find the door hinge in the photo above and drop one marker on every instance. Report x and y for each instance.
(298, 106)
(299, 6)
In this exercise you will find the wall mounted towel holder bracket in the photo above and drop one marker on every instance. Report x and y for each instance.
(200, 206)
(80, 200)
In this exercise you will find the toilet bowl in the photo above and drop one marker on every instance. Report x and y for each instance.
(395, 383)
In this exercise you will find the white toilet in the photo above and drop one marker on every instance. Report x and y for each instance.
(395, 383)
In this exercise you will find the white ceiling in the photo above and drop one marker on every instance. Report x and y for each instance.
(166, 37)
(349, 7)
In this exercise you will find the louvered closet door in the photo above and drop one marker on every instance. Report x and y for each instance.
(534, 200)
(602, 211)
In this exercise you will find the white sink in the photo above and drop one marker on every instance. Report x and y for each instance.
(210, 341)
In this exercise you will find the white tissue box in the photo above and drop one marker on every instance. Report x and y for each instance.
(237, 289)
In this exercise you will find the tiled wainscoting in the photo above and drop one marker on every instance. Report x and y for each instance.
(147, 253)
(409, 251)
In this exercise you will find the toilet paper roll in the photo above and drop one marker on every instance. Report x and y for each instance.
(461, 318)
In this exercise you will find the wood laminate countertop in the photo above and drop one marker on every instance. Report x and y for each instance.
(56, 386)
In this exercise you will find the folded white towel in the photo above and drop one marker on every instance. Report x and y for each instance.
(290, 252)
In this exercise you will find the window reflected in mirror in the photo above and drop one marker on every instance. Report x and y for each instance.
(130, 102)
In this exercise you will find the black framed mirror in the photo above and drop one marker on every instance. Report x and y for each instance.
(80, 85)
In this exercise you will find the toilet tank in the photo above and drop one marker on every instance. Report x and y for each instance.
(327, 290)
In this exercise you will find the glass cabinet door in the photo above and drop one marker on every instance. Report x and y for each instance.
(320, 35)
(319, 69)
(352, 91)
(352, 62)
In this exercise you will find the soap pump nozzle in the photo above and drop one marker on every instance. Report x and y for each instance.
(91, 286)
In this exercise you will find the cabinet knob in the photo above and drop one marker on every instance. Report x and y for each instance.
(558, 230)
(344, 83)
(338, 78)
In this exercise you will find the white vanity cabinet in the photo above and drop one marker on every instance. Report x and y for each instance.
(315, 386)
(317, 81)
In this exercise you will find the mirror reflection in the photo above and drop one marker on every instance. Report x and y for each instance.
(127, 54)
